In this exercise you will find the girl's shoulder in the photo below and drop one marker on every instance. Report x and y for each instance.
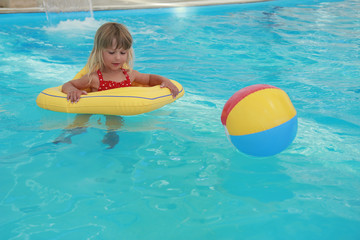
(132, 73)
(93, 74)
(93, 79)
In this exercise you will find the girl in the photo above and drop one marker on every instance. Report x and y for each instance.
(112, 51)
(110, 66)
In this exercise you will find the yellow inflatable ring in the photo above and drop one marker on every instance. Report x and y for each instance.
(121, 101)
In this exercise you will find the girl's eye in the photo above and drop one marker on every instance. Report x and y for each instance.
(122, 53)
(111, 52)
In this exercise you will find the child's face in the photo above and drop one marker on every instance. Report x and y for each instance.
(114, 58)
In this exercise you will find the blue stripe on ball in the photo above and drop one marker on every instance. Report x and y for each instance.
(268, 142)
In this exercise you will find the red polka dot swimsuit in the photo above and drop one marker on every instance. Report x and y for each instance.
(106, 85)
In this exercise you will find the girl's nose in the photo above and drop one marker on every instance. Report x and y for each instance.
(118, 55)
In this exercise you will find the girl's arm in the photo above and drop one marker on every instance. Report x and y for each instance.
(75, 88)
(152, 80)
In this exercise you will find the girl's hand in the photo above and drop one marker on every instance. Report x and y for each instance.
(75, 88)
(168, 84)
(74, 96)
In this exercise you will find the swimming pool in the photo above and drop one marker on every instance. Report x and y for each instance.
(173, 173)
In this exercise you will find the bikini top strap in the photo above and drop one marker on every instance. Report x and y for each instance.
(126, 74)
(101, 79)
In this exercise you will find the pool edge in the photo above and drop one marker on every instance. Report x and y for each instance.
(136, 5)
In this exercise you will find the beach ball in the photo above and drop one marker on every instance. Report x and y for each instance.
(260, 120)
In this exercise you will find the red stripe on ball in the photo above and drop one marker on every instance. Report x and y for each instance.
(240, 95)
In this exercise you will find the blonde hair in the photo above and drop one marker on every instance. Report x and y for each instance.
(104, 38)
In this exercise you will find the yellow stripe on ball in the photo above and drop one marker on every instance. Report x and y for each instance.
(260, 111)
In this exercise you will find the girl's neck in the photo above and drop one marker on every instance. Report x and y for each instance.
(110, 71)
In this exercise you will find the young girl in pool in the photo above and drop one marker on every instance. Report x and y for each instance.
(111, 54)
(110, 66)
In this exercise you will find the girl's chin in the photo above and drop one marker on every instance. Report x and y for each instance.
(114, 67)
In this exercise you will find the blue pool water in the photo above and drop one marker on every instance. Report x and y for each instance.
(174, 174)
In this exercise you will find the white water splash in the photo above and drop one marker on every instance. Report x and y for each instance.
(75, 25)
